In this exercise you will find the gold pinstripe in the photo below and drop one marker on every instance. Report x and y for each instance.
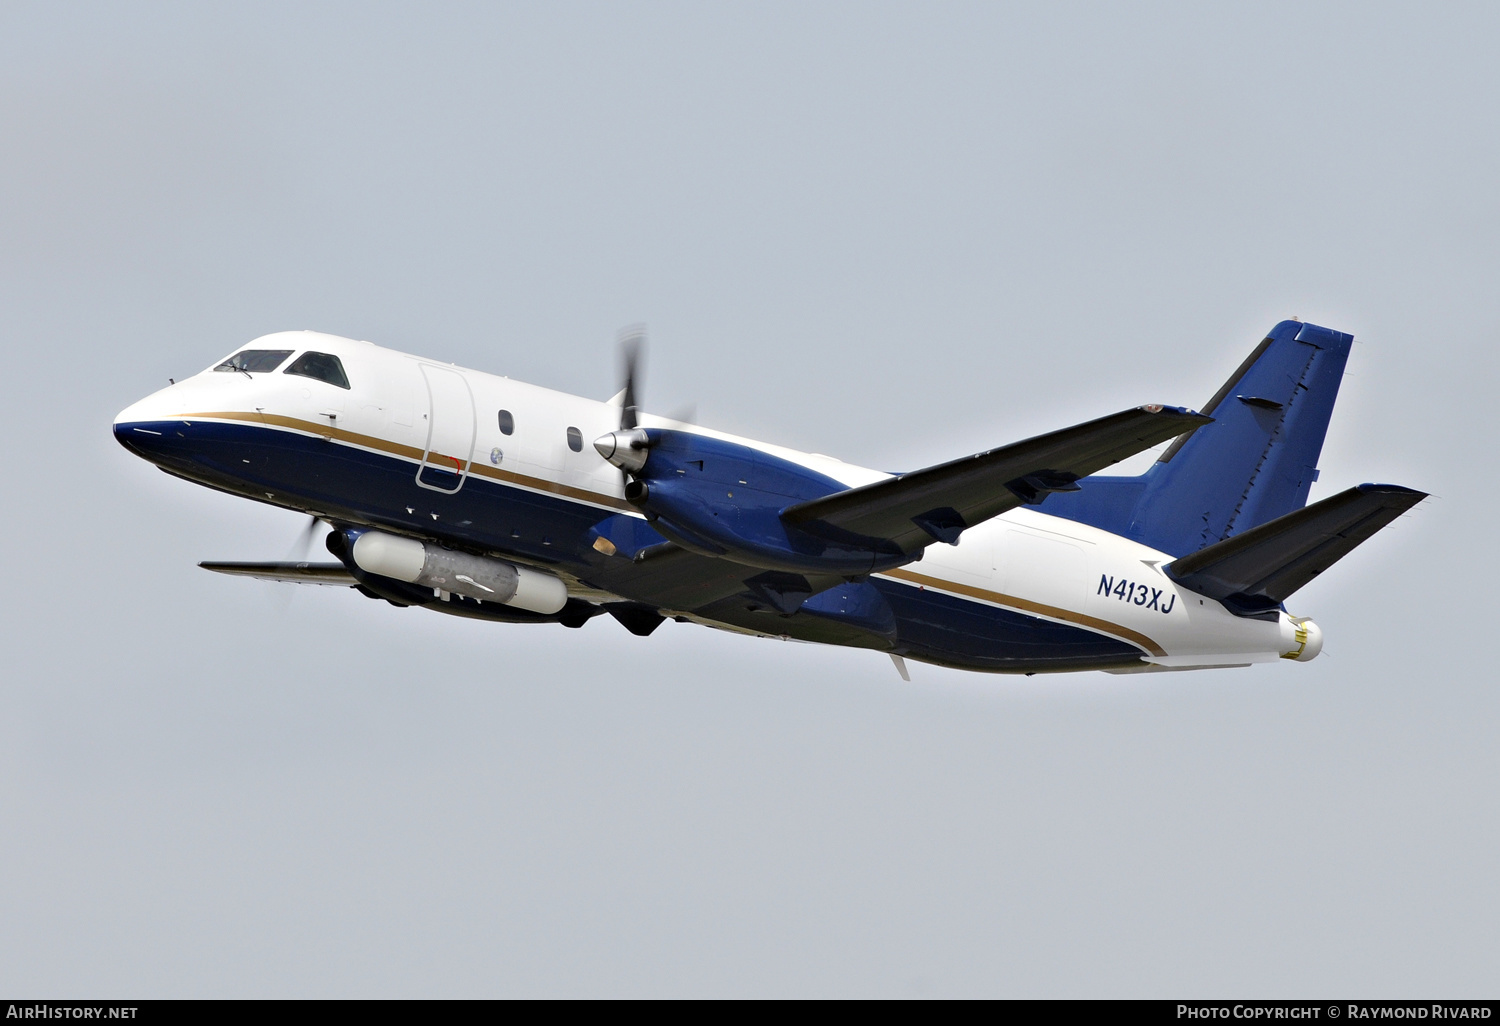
(1082, 620)
(540, 484)
(412, 453)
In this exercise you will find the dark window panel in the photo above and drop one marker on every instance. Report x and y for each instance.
(321, 366)
(258, 361)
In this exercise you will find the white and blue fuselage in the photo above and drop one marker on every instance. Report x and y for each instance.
(495, 468)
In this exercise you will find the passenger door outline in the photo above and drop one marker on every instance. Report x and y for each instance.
(455, 427)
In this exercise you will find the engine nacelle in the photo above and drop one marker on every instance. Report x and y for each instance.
(720, 498)
(476, 577)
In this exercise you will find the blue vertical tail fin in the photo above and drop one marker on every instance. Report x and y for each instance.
(1254, 463)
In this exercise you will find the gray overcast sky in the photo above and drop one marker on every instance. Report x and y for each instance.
(893, 233)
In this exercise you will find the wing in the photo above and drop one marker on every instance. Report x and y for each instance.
(333, 574)
(936, 504)
(1254, 572)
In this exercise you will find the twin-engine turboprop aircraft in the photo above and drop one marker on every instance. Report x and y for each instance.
(475, 495)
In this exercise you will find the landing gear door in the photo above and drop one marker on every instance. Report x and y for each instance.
(450, 430)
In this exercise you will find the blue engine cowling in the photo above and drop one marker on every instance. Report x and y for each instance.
(724, 499)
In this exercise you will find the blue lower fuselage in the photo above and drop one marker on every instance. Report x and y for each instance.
(355, 487)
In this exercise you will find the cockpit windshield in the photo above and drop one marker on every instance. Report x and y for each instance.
(258, 361)
(321, 366)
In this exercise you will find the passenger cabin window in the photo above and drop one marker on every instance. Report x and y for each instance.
(575, 439)
(507, 422)
(258, 361)
(321, 366)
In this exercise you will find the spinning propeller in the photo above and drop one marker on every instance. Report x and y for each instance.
(627, 447)
(632, 342)
(302, 547)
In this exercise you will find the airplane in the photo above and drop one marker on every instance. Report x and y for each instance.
(471, 494)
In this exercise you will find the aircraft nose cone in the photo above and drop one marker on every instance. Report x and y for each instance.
(154, 407)
(124, 426)
(142, 439)
(141, 426)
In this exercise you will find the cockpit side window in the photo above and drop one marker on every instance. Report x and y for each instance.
(322, 366)
(258, 361)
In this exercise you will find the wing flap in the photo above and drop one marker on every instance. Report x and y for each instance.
(330, 574)
(938, 503)
(1254, 572)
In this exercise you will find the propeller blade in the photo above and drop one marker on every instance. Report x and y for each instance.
(632, 351)
(303, 545)
(298, 553)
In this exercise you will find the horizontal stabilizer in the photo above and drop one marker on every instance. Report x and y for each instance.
(1254, 572)
(333, 574)
(936, 504)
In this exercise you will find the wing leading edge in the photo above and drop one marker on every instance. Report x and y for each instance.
(331, 574)
(936, 504)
